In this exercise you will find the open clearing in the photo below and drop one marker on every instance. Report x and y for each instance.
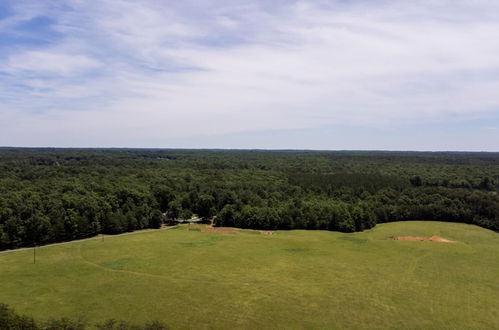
(291, 279)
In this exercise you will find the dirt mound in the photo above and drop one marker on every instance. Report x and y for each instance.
(423, 239)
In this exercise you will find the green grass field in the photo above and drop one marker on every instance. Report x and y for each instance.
(295, 279)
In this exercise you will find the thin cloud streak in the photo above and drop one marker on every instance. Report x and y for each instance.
(149, 73)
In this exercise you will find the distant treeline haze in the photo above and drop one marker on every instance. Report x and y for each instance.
(52, 195)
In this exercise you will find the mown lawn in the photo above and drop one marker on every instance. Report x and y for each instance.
(295, 279)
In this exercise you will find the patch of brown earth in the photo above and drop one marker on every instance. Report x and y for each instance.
(226, 230)
(423, 239)
(219, 230)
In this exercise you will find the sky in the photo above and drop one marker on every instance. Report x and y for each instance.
(281, 74)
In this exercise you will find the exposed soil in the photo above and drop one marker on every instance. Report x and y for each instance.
(218, 230)
(226, 230)
(423, 239)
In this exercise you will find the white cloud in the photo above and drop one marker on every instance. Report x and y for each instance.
(171, 71)
(226, 22)
(47, 62)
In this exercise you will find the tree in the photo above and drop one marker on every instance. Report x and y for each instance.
(163, 195)
(4, 239)
(38, 229)
(174, 209)
(114, 223)
(226, 217)
(416, 181)
(205, 206)
(156, 219)
(487, 184)
(342, 219)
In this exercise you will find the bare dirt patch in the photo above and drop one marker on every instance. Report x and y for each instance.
(219, 230)
(226, 230)
(423, 239)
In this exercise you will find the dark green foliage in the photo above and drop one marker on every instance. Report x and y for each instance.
(156, 219)
(64, 324)
(121, 325)
(10, 320)
(51, 195)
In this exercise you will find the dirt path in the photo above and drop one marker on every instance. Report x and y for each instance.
(91, 238)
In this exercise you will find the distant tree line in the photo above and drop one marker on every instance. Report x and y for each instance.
(385, 206)
(53, 195)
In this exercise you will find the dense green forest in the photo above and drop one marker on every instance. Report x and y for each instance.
(52, 195)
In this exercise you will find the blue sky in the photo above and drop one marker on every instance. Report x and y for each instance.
(389, 75)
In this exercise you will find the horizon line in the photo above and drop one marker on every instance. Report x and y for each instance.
(248, 149)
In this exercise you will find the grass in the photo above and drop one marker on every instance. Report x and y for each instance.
(294, 279)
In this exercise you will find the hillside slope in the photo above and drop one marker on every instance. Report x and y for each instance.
(291, 279)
